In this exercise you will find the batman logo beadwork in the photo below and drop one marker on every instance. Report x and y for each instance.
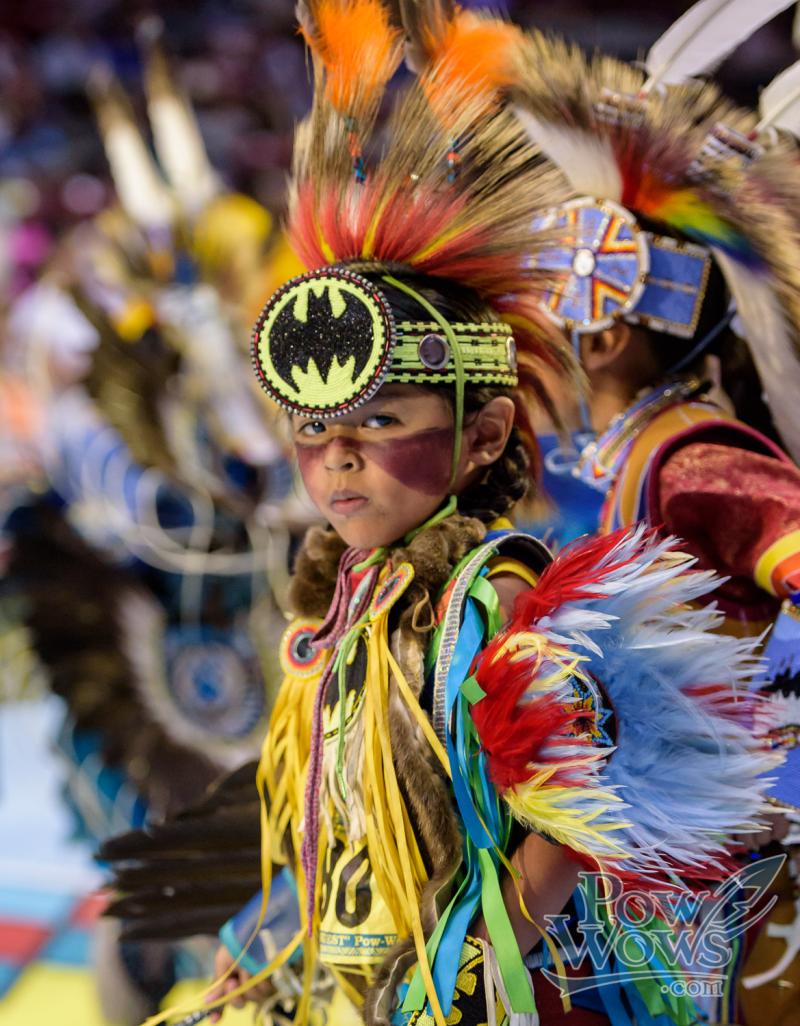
(324, 342)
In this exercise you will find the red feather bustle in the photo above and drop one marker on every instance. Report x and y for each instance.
(517, 725)
(515, 733)
(574, 575)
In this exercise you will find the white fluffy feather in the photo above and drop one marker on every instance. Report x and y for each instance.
(704, 36)
(587, 160)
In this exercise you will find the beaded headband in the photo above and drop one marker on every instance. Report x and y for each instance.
(327, 340)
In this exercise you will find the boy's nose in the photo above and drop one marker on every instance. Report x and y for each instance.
(341, 453)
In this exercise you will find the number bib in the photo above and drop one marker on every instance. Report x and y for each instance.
(356, 927)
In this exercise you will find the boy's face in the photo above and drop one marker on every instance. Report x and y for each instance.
(382, 470)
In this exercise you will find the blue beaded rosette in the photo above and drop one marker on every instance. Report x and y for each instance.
(605, 257)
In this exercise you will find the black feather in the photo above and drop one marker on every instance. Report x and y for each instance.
(190, 873)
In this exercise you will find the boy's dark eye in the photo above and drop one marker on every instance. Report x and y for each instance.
(379, 420)
(313, 427)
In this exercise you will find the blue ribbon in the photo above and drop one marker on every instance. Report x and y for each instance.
(470, 640)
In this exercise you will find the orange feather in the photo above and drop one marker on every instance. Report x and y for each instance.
(473, 54)
(359, 48)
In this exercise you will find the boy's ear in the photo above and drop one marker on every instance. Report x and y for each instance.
(602, 349)
(486, 434)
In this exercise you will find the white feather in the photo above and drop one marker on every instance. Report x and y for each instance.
(704, 36)
(586, 160)
(769, 337)
(138, 186)
(779, 105)
(180, 148)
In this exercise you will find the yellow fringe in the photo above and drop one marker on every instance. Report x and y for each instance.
(419, 715)
(400, 873)
(284, 768)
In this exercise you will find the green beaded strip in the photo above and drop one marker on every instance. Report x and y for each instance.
(487, 352)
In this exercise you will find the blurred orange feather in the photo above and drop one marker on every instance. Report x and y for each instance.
(359, 48)
(472, 53)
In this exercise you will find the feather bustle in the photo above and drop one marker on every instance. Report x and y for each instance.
(658, 807)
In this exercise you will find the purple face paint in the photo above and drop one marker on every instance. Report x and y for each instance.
(421, 461)
(309, 457)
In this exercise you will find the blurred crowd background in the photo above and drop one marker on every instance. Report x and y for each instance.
(244, 69)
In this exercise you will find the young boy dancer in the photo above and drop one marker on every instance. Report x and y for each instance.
(464, 723)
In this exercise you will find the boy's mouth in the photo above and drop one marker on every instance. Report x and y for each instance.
(346, 502)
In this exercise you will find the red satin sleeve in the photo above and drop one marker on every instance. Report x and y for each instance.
(737, 511)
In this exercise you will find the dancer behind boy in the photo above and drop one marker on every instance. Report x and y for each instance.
(463, 724)
(676, 212)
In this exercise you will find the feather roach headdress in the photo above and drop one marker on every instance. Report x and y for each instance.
(447, 189)
(657, 148)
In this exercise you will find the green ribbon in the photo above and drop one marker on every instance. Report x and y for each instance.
(458, 365)
(501, 933)
(484, 594)
(654, 990)
(472, 691)
(450, 507)
(376, 556)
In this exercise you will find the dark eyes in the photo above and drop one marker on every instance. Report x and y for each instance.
(314, 427)
(379, 420)
(375, 420)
